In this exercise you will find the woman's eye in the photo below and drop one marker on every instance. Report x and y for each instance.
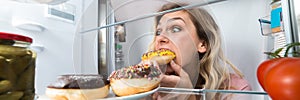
(158, 32)
(176, 29)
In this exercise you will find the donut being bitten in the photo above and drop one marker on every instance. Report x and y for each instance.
(162, 56)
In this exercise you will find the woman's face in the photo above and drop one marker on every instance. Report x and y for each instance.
(176, 31)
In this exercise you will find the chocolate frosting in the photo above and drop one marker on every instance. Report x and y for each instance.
(79, 81)
(137, 71)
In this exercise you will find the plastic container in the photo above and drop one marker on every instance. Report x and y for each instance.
(119, 61)
(17, 67)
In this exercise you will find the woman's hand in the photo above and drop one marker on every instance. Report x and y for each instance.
(180, 80)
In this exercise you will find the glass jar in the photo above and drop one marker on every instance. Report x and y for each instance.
(17, 67)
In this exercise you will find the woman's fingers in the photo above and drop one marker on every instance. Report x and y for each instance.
(178, 70)
(176, 67)
(172, 80)
(184, 79)
(155, 95)
(169, 80)
(158, 96)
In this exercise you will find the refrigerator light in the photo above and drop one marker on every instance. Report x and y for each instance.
(65, 12)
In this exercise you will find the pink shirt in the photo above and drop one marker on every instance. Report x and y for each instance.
(238, 83)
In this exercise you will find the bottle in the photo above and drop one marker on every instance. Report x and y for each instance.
(119, 61)
(17, 67)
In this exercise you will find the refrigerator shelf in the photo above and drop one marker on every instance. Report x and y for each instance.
(152, 15)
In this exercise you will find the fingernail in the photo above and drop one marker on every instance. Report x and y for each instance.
(172, 63)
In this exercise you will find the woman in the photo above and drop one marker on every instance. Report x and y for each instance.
(195, 38)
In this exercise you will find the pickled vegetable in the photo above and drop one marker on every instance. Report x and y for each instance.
(17, 71)
(26, 79)
(20, 63)
(7, 51)
(12, 95)
(6, 72)
(5, 85)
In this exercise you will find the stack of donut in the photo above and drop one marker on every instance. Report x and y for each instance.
(141, 77)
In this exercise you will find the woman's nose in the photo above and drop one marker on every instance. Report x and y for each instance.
(162, 39)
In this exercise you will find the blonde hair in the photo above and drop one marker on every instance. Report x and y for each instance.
(214, 71)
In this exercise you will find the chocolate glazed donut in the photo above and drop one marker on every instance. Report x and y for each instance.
(141, 77)
(78, 87)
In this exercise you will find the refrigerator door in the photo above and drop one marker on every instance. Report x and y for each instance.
(292, 19)
(295, 18)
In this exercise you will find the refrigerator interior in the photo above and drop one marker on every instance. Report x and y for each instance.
(243, 43)
(67, 50)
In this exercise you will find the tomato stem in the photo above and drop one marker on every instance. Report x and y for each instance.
(289, 46)
(275, 54)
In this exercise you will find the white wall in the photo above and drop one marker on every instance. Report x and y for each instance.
(244, 44)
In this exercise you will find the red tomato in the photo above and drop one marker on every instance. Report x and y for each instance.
(282, 82)
(264, 68)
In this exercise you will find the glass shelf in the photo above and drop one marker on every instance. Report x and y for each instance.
(152, 15)
(236, 94)
(233, 94)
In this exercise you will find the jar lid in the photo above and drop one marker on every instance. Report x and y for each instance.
(10, 36)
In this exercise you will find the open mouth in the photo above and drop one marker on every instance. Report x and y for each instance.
(164, 49)
(169, 50)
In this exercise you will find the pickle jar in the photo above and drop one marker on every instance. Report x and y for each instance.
(17, 67)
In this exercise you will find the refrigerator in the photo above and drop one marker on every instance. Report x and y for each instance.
(79, 36)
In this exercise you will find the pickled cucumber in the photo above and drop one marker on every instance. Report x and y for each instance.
(16, 95)
(17, 73)
(26, 79)
(28, 95)
(5, 85)
(7, 50)
(19, 64)
(6, 72)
